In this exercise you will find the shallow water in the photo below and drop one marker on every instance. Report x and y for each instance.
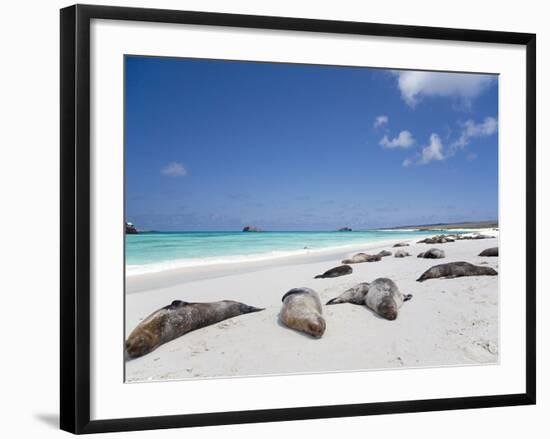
(155, 251)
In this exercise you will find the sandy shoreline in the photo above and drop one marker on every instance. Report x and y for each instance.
(177, 276)
(448, 322)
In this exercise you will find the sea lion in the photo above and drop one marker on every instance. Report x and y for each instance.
(401, 244)
(401, 253)
(493, 251)
(438, 239)
(355, 295)
(472, 235)
(433, 253)
(456, 269)
(382, 296)
(362, 257)
(384, 253)
(302, 311)
(341, 270)
(178, 318)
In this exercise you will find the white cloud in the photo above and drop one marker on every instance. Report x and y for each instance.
(486, 128)
(465, 86)
(381, 120)
(471, 129)
(174, 169)
(436, 151)
(403, 140)
(433, 151)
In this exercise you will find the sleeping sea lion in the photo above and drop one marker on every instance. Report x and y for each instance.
(178, 318)
(401, 253)
(341, 270)
(382, 296)
(456, 269)
(384, 253)
(493, 251)
(362, 257)
(433, 253)
(302, 311)
(439, 239)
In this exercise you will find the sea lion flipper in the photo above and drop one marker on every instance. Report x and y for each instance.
(246, 309)
(407, 297)
(355, 295)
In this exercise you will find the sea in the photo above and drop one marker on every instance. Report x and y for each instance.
(149, 252)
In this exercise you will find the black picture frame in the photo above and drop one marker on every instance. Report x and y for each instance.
(75, 217)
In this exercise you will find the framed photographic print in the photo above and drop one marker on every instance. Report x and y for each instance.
(285, 218)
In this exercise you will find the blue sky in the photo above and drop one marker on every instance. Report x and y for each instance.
(216, 145)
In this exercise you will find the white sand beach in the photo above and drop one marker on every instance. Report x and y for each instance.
(448, 322)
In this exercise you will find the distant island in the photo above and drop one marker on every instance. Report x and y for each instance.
(345, 229)
(251, 229)
(444, 226)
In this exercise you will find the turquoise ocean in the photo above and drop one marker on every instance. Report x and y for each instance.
(156, 251)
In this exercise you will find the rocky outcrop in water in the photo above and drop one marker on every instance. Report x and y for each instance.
(131, 229)
(251, 229)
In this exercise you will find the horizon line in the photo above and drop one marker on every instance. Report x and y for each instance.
(409, 226)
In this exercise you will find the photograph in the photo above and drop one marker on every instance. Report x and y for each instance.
(288, 218)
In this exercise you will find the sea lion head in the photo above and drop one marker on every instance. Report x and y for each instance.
(487, 271)
(423, 277)
(176, 304)
(245, 309)
(316, 327)
(139, 344)
(388, 308)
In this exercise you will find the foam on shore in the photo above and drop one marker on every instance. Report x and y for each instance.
(133, 270)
